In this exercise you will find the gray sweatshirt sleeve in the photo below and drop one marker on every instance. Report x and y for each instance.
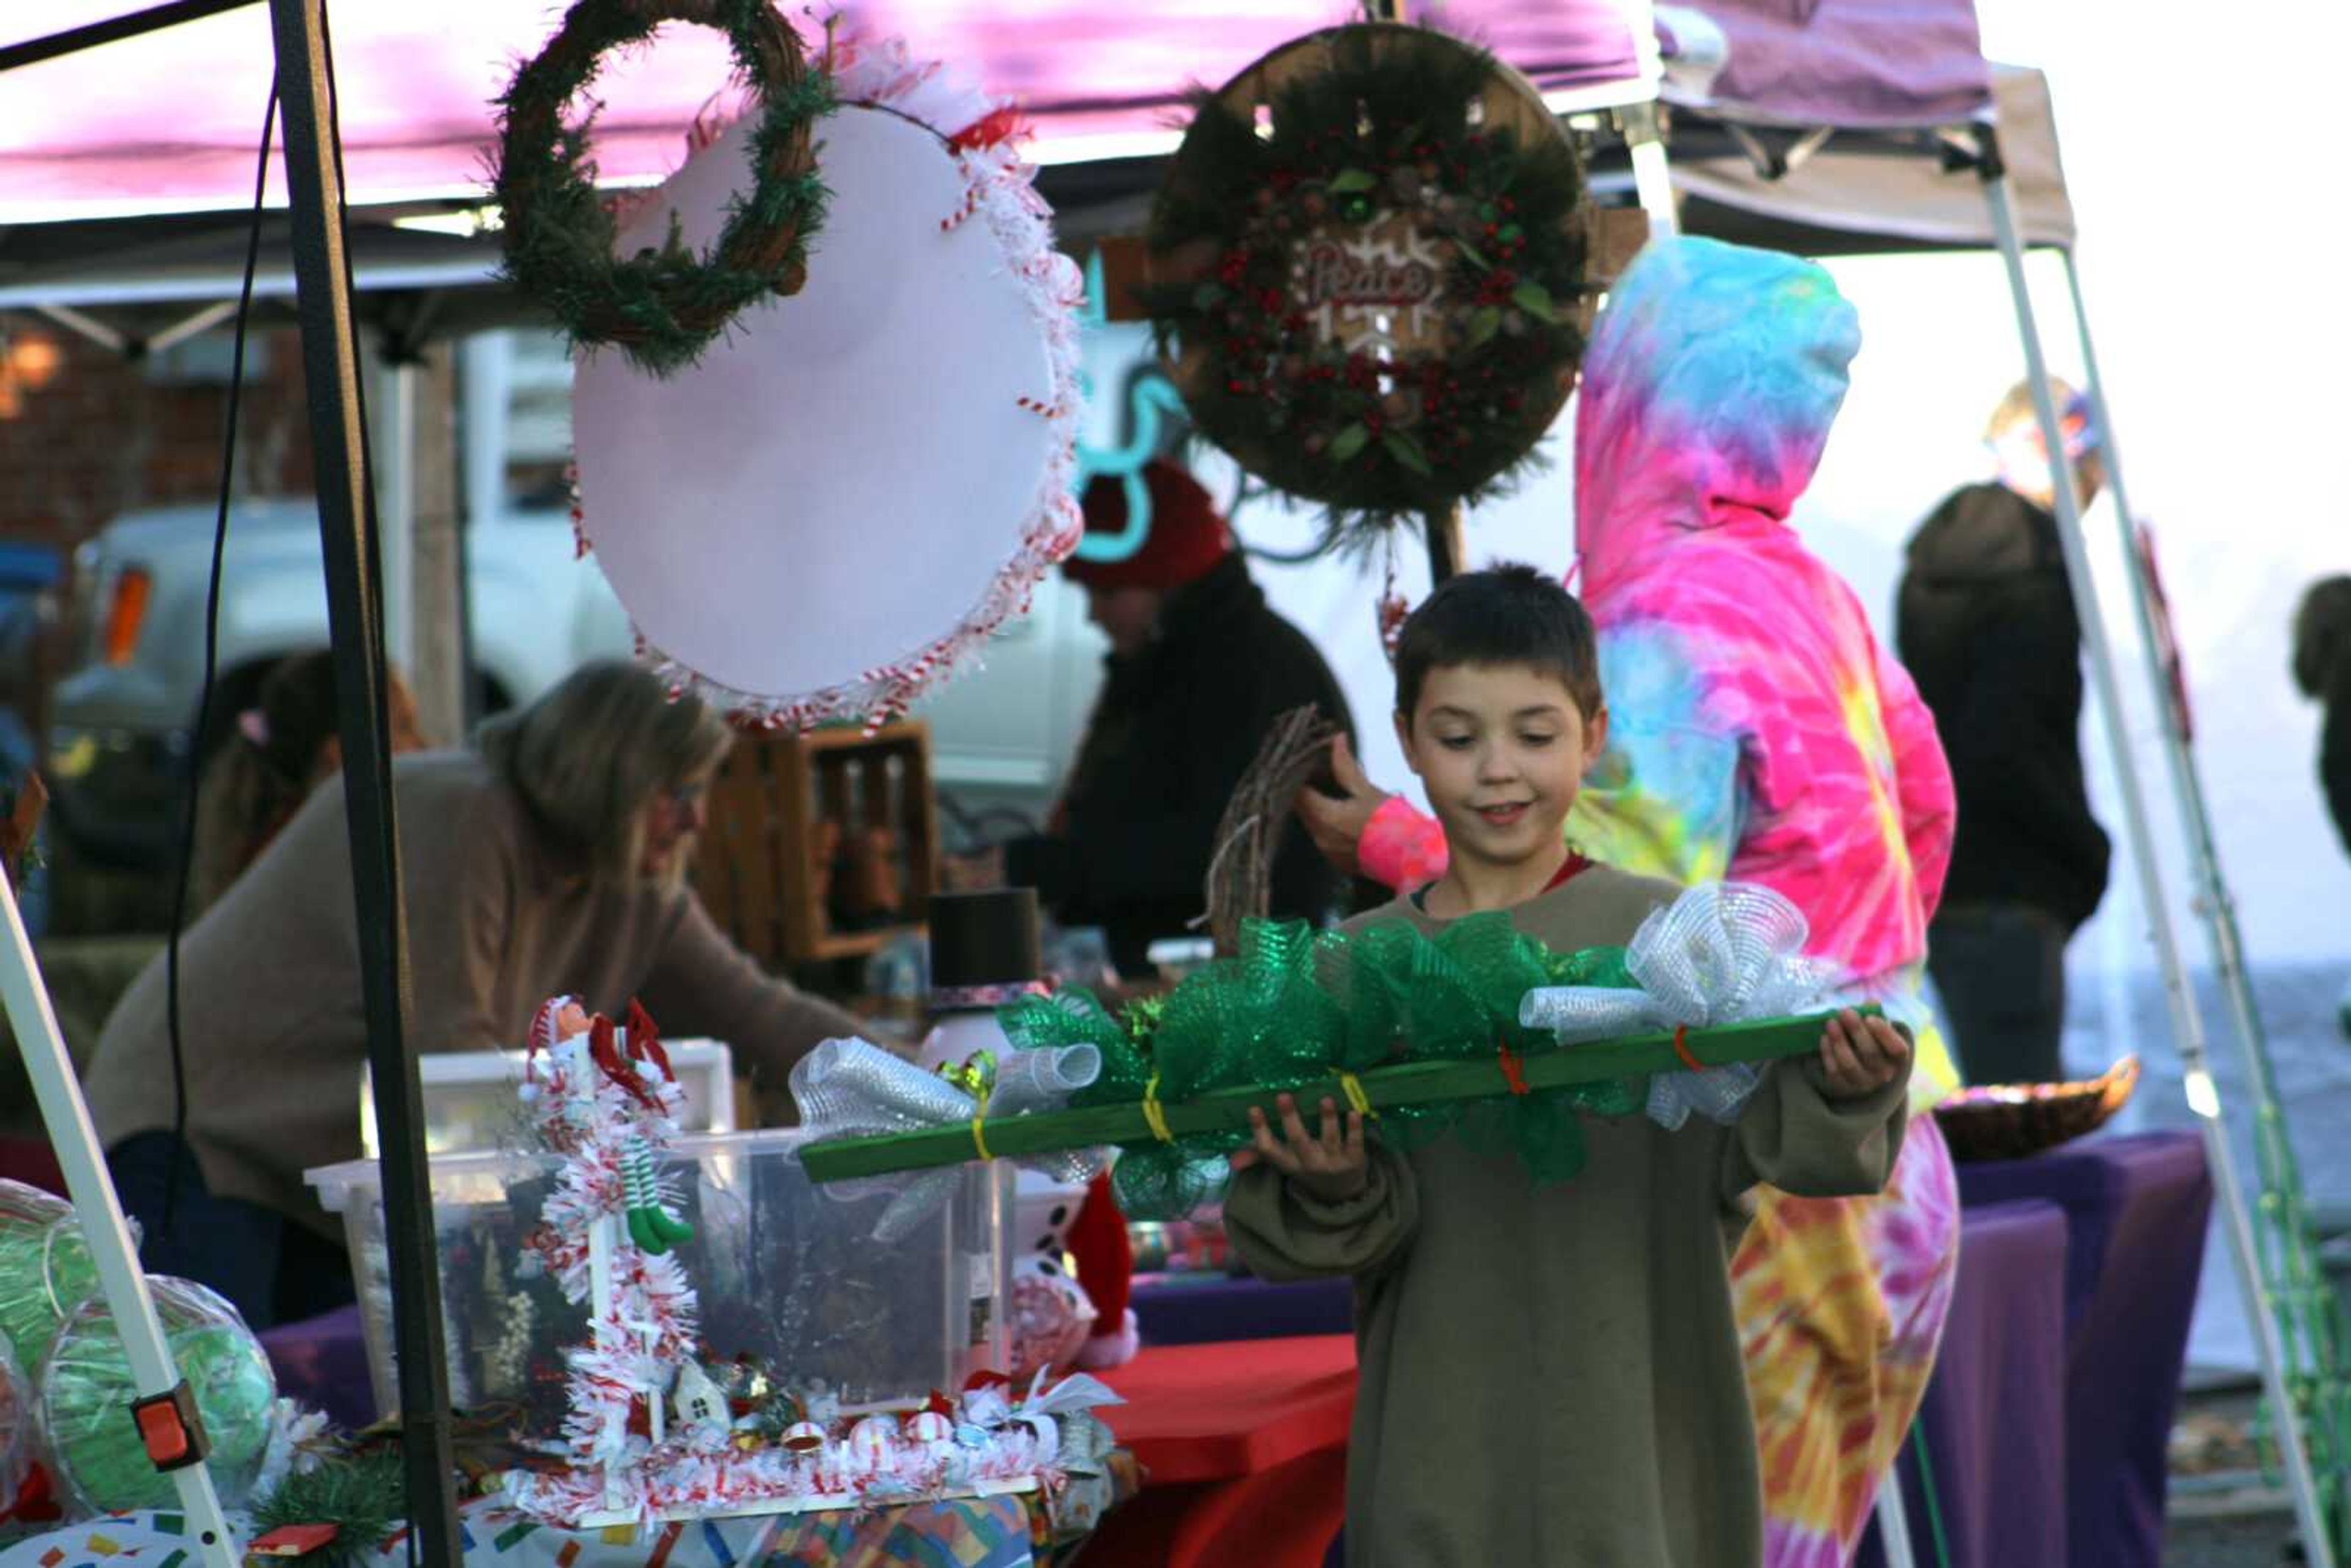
(1794, 1136)
(1282, 1232)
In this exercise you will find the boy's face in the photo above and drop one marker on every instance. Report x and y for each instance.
(1502, 750)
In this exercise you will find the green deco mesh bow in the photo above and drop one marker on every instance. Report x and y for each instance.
(1294, 1007)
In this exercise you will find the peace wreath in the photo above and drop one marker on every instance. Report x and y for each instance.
(1369, 286)
(661, 307)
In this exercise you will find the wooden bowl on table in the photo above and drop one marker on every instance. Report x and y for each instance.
(2008, 1122)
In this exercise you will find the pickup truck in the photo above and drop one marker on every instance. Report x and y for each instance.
(119, 740)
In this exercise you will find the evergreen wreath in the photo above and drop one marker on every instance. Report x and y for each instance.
(363, 1496)
(1373, 298)
(661, 307)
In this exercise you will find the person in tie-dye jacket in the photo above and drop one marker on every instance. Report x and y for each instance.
(1761, 733)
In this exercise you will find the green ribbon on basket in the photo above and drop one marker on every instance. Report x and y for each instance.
(1294, 1007)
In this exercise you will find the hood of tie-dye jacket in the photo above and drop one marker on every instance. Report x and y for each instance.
(1708, 390)
(1761, 731)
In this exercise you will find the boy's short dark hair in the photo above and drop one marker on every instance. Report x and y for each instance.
(1503, 615)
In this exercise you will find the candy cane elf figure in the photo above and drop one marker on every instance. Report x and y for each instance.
(633, 1058)
(603, 1100)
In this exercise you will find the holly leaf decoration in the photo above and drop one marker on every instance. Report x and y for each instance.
(1408, 453)
(1349, 443)
(1484, 325)
(1470, 253)
(1347, 182)
(1534, 300)
(1208, 297)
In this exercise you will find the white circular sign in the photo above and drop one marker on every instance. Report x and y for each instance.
(862, 478)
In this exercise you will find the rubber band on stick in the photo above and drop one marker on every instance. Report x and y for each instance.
(1682, 1050)
(1513, 1073)
(1152, 1113)
(1357, 1100)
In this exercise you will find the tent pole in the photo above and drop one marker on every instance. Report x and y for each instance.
(1653, 181)
(66, 1117)
(2314, 1334)
(354, 615)
(2186, 1026)
(1894, 1521)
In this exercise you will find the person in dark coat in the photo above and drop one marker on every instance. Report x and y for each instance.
(1200, 669)
(2322, 668)
(1985, 622)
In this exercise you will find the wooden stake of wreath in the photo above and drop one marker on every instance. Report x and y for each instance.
(661, 307)
(1367, 266)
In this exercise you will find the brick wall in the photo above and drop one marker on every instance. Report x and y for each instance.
(86, 434)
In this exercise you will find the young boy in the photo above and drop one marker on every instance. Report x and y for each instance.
(1552, 1376)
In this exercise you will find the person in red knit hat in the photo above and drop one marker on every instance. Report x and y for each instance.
(1199, 668)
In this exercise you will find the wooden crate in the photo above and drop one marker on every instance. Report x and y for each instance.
(784, 811)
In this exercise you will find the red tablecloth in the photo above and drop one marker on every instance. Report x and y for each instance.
(1244, 1450)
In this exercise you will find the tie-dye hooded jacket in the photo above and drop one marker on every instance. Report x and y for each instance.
(1757, 730)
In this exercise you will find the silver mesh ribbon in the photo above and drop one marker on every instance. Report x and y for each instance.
(1721, 953)
(854, 1088)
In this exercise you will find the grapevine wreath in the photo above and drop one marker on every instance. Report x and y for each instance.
(662, 306)
(1367, 264)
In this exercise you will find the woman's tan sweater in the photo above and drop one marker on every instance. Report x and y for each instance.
(499, 919)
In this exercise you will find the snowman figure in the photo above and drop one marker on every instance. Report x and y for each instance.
(984, 954)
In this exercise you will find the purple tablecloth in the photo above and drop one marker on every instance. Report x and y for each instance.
(1994, 1420)
(322, 1362)
(1196, 1308)
(2135, 1209)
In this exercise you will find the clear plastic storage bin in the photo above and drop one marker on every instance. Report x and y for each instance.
(783, 1273)
(469, 1096)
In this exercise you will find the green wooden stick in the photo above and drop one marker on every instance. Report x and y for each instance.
(1407, 1083)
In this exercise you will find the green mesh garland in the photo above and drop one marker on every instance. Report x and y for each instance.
(86, 1391)
(1293, 1006)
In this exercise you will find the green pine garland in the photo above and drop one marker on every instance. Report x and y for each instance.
(362, 1496)
(661, 307)
(1382, 133)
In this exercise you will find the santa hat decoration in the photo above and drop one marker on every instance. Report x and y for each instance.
(1105, 1263)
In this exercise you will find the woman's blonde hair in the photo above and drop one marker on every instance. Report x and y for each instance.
(592, 752)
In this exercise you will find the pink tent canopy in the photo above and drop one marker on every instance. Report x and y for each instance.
(169, 121)
(1874, 65)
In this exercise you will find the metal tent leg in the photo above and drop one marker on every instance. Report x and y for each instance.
(2314, 1333)
(2188, 1030)
(75, 1140)
(1893, 1520)
(354, 618)
(1651, 179)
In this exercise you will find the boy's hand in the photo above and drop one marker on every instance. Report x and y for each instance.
(1861, 1055)
(1330, 1167)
